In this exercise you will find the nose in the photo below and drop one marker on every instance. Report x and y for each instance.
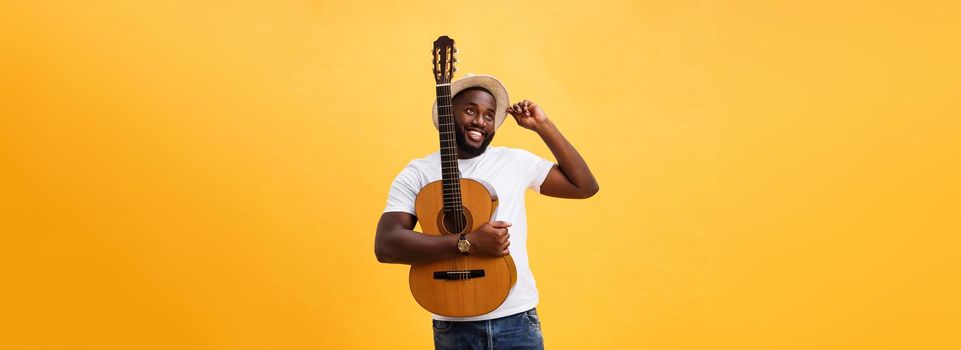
(479, 121)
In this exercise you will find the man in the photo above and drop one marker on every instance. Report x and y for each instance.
(480, 105)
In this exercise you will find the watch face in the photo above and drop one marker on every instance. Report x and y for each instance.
(463, 245)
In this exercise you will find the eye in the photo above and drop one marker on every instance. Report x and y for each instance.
(470, 110)
(489, 117)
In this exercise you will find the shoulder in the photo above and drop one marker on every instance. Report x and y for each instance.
(427, 162)
(515, 154)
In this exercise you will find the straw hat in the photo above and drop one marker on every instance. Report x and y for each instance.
(485, 81)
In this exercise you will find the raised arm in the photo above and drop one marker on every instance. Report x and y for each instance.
(570, 177)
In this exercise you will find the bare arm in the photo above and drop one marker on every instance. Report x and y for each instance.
(396, 242)
(570, 177)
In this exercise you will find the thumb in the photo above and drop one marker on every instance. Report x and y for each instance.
(500, 224)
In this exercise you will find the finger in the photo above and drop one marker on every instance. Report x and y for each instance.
(500, 224)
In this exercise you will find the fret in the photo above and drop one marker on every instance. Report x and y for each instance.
(450, 169)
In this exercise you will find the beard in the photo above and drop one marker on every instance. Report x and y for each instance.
(466, 148)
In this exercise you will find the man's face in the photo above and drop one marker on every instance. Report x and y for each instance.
(474, 111)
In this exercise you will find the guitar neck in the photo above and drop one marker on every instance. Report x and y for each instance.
(450, 171)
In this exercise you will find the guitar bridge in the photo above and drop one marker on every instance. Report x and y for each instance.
(458, 275)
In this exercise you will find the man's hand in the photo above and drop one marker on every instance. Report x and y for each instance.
(490, 239)
(528, 114)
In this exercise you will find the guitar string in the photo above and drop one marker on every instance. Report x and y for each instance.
(453, 180)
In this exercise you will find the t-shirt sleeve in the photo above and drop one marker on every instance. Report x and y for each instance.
(535, 169)
(403, 191)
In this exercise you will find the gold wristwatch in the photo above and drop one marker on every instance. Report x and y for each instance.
(463, 245)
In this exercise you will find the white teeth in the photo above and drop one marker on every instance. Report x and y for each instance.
(474, 135)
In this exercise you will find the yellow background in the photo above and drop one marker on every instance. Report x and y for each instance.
(208, 175)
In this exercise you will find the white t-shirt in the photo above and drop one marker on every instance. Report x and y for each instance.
(510, 171)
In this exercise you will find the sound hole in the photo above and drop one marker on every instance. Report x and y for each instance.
(455, 222)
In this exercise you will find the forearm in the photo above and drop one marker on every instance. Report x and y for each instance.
(569, 160)
(403, 246)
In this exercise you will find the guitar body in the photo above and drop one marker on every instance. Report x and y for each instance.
(490, 278)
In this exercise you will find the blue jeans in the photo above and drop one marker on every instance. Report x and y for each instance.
(518, 331)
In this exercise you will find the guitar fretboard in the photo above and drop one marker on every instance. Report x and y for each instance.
(450, 170)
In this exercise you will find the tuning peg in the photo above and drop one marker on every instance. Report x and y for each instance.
(454, 69)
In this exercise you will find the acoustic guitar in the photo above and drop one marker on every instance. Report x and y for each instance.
(467, 285)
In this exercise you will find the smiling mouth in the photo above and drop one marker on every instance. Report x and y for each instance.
(474, 135)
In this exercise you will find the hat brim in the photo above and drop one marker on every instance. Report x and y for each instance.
(487, 82)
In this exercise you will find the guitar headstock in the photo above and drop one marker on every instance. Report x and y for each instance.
(445, 55)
